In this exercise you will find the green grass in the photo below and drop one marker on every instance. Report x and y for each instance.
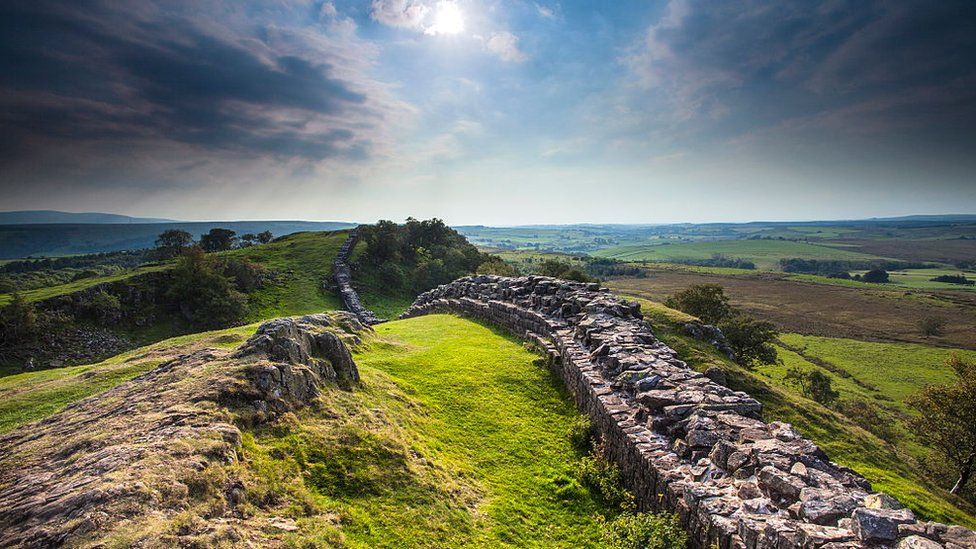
(764, 253)
(458, 437)
(304, 263)
(913, 279)
(40, 294)
(898, 370)
(32, 396)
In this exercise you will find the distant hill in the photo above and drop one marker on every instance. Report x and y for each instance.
(58, 239)
(35, 217)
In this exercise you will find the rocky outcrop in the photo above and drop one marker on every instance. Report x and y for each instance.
(165, 443)
(685, 443)
(342, 276)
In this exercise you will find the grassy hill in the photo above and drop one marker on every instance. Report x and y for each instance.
(457, 437)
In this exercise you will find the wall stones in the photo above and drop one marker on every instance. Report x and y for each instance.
(684, 442)
(342, 275)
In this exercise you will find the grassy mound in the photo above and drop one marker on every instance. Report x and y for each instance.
(458, 438)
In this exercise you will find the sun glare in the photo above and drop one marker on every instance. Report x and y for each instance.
(447, 20)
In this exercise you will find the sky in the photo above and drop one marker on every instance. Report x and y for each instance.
(492, 112)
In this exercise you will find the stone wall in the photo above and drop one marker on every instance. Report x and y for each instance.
(685, 443)
(342, 275)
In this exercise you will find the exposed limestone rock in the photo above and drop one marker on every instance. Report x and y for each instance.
(684, 442)
(143, 451)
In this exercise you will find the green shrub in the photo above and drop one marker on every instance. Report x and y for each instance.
(603, 479)
(644, 531)
(582, 434)
(204, 296)
(751, 340)
(706, 301)
(102, 306)
(814, 384)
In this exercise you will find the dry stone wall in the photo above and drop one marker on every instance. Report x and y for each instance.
(685, 443)
(342, 275)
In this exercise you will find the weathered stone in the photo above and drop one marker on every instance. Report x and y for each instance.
(917, 542)
(881, 500)
(879, 525)
(782, 488)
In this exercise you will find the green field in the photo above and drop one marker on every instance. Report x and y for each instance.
(897, 370)
(764, 253)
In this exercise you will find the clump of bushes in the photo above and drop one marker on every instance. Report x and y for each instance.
(563, 270)
(645, 531)
(202, 294)
(867, 416)
(751, 340)
(953, 279)
(814, 385)
(874, 276)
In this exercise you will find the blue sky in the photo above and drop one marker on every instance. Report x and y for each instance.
(494, 112)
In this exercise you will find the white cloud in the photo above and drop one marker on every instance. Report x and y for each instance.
(328, 9)
(399, 13)
(544, 11)
(505, 45)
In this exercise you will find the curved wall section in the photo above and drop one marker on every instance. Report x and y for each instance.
(683, 442)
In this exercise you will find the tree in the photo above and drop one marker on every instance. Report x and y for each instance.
(204, 296)
(931, 325)
(171, 243)
(248, 239)
(814, 384)
(947, 420)
(264, 237)
(218, 240)
(876, 276)
(706, 301)
(751, 340)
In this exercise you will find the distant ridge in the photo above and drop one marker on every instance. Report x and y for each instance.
(53, 217)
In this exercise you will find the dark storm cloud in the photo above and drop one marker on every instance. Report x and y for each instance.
(83, 72)
(903, 68)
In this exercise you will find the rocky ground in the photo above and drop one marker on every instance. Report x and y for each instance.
(155, 462)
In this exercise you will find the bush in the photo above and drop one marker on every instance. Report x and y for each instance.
(645, 531)
(102, 307)
(706, 301)
(247, 276)
(563, 270)
(582, 435)
(874, 276)
(218, 240)
(204, 296)
(931, 326)
(751, 340)
(603, 479)
(814, 385)
(494, 265)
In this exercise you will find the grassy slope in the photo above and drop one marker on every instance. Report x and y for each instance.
(888, 467)
(41, 294)
(304, 261)
(764, 253)
(897, 370)
(458, 437)
(32, 396)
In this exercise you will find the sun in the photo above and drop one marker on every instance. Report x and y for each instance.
(448, 19)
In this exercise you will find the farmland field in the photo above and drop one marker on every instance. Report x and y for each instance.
(764, 253)
(878, 313)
